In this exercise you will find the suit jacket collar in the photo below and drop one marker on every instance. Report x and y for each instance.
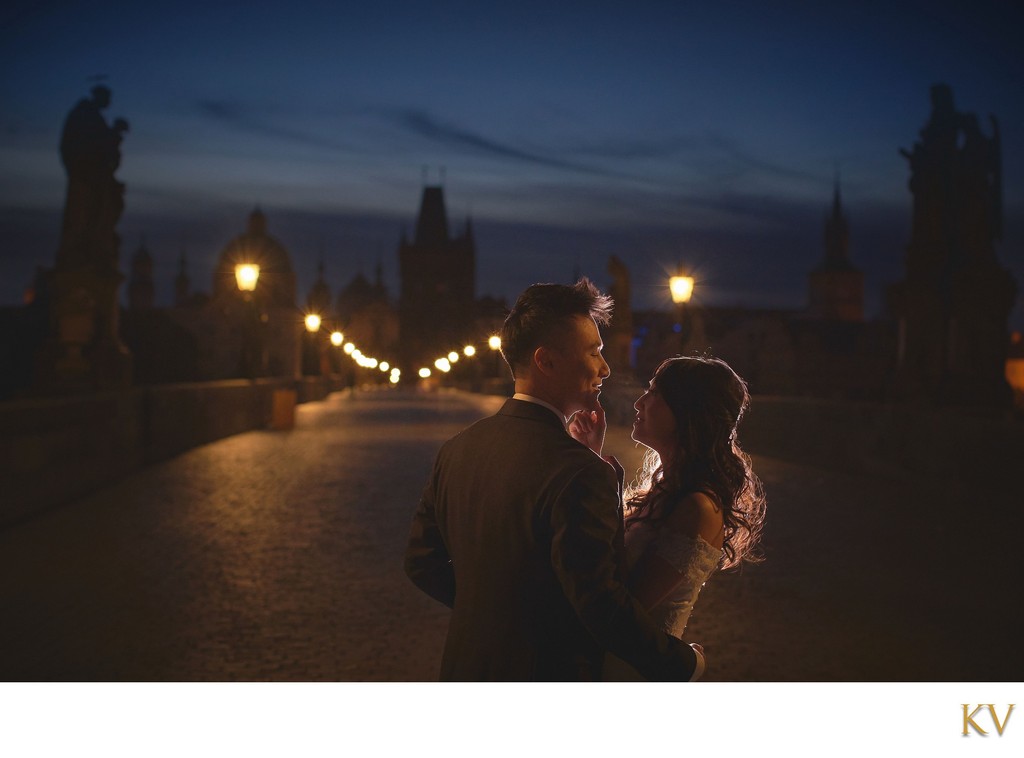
(526, 409)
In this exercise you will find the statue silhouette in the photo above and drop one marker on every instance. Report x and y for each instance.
(90, 150)
(84, 350)
(954, 303)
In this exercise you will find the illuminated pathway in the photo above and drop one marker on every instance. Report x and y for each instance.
(277, 555)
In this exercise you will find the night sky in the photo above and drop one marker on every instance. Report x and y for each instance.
(703, 134)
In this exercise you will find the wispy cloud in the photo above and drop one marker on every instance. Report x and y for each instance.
(423, 124)
(265, 122)
(667, 164)
(708, 155)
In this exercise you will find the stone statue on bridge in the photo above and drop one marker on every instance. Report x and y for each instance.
(955, 302)
(84, 350)
(91, 152)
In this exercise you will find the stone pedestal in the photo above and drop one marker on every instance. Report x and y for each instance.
(84, 351)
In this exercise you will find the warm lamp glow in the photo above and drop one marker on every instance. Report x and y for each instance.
(682, 288)
(337, 338)
(424, 373)
(453, 357)
(494, 342)
(384, 365)
(394, 379)
(469, 351)
(246, 275)
(442, 364)
(312, 322)
(349, 347)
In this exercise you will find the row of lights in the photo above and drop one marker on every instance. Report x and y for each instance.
(247, 274)
(681, 288)
(444, 364)
(313, 322)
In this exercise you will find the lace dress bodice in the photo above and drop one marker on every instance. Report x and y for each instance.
(692, 557)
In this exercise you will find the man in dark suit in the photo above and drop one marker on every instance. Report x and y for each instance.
(519, 529)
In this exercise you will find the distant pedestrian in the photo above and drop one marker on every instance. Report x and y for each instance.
(519, 529)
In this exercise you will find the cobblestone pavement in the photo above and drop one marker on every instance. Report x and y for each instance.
(277, 556)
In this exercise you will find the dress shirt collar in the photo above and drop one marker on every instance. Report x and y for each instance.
(537, 401)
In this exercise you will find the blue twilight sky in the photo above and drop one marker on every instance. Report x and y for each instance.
(704, 134)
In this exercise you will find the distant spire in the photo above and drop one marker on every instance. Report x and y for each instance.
(142, 253)
(257, 221)
(432, 224)
(836, 203)
(181, 281)
(319, 299)
(837, 233)
(140, 284)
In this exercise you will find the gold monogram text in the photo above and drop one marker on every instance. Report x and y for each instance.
(970, 723)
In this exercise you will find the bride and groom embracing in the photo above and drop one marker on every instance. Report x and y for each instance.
(552, 571)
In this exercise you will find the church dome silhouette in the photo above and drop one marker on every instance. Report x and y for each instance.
(276, 285)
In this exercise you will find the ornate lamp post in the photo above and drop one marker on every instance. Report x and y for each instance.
(311, 363)
(246, 277)
(681, 288)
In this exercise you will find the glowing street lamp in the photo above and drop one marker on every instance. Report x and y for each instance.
(424, 373)
(681, 288)
(494, 342)
(442, 364)
(384, 366)
(312, 322)
(349, 347)
(453, 357)
(246, 275)
(469, 351)
(337, 338)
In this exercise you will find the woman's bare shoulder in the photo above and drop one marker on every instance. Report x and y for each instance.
(698, 514)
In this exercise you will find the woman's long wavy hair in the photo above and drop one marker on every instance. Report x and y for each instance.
(707, 400)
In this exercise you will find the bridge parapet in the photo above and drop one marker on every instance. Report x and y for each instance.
(53, 450)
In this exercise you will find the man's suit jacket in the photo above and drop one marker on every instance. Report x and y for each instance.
(519, 532)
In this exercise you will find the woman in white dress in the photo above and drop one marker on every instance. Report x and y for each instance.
(697, 505)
